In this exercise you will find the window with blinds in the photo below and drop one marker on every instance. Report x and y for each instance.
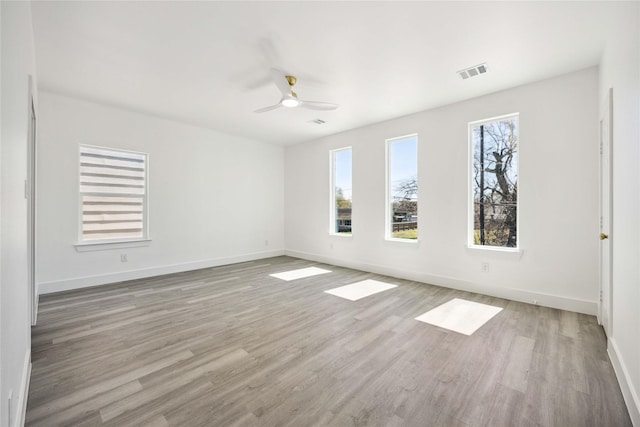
(113, 194)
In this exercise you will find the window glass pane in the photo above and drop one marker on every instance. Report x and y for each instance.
(402, 195)
(495, 182)
(342, 191)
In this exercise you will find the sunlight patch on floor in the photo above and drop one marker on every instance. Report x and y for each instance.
(358, 290)
(458, 315)
(300, 273)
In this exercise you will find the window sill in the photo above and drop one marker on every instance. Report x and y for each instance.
(512, 253)
(104, 246)
(341, 234)
(411, 241)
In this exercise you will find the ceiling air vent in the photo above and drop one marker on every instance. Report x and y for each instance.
(318, 121)
(473, 71)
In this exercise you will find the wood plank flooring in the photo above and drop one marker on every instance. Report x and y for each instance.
(232, 346)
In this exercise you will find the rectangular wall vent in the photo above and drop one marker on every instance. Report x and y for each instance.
(473, 71)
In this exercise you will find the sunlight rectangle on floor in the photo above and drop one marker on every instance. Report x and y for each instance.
(362, 289)
(459, 315)
(300, 273)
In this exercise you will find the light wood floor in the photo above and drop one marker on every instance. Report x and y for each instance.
(232, 346)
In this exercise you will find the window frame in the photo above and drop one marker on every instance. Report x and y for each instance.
(332, 192)
(470, 201)
(388, 211)
(83, 245)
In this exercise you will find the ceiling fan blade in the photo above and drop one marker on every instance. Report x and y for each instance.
(314, 105)
(281, 81)
(269, 108)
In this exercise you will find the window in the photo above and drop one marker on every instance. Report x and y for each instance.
(113, 195)
(494, 182)
(402, 188)
(340, 222)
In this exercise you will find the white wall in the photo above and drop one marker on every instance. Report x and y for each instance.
(213, 198)
(620, 70)
(15, 332)
(558, 191)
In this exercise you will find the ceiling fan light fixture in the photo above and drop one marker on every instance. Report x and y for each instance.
(290, 98)
(289, 102)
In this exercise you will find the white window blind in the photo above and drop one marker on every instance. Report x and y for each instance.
(113, 194)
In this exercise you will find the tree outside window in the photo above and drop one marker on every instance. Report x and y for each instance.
(495, 182)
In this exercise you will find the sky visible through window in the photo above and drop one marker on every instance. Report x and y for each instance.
(403, 165)
(343, 172)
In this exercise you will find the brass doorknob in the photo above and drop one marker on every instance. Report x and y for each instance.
(603, 236)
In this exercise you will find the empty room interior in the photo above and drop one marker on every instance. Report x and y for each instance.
(310, 213)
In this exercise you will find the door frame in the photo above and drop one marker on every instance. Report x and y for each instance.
(605, 305)
(30, 195)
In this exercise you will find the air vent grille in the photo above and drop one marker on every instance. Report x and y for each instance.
(473, 71)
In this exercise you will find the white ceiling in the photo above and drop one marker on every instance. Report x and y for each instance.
(207, 63)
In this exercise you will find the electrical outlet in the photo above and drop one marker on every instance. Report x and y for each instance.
(123, 258)
(485, 267)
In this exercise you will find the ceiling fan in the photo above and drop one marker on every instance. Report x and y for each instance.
(290, 98)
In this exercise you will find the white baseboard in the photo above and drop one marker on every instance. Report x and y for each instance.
(629, 392)
(546, 300)
(88, 281)
(20, 419)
